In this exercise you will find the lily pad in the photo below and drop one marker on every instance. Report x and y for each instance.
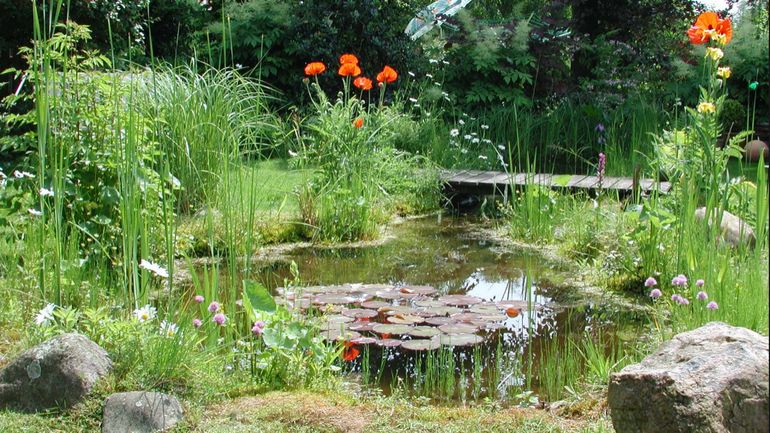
(336, 334)
(375, 304)
(405, 319)
(421, 290)
(362, 326)
(387, 328)
(388, 342)
(460, 300)
(424, 331)
(422, 344)
(389, 294)
(485, 309)
(397, 309)
(444, 311)
(340, 299)
(429, 303)
(438, 321)
(338, 319)
(359, 313)
(364, 340)
(460, 339)
(458, 328)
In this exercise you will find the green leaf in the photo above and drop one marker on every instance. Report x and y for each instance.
(259, 296)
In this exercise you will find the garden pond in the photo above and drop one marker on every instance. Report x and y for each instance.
(443, 307)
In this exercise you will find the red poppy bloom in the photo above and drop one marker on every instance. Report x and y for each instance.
(363, 83)
(387, 75)
(349, 70)
(348, 58)
(707, 26)
(314, 68)
(358, 122)
(350, 353)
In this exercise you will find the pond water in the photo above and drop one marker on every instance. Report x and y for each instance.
(455, 256)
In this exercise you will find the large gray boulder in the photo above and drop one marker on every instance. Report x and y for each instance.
(57, 373)
(711, 379)
(140, 412)
(733, 230)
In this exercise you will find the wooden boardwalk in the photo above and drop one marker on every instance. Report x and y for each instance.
(475, 181)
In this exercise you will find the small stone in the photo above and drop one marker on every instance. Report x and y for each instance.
(57, 373)
(140, 412)
(733, 230)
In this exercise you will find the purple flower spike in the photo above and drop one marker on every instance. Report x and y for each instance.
(650, 282)
(655, 294)
(712, 305)
(702, 296)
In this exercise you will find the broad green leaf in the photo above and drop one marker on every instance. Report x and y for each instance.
(259, 296)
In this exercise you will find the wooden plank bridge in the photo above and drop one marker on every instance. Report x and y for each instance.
(495, 182)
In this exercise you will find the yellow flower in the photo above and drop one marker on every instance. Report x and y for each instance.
(720, 38)
(714, 53)
(724, 72)
(706, 107)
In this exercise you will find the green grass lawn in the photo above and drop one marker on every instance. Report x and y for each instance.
(270, 184)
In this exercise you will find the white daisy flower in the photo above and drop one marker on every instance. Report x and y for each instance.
(168, 329)
(145, 313)
(44, 317)
(454, 133)
(154, 268)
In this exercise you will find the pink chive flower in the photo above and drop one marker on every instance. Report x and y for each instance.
(214, 307)
(199, 299)
(679, 280)
(683, 301)
(258, 327)
(702, 296)
(675, 297)
(712, 305)
(219, 319)
(650, 282)
(656, 293)
(197, 323)
(700, 283)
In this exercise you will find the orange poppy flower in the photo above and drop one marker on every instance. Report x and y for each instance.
(314, 68)
(387, 75)
(709, 26)
(349, 70)
(363, 83)
(358, 122)
(350, 353)
(348, 58)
